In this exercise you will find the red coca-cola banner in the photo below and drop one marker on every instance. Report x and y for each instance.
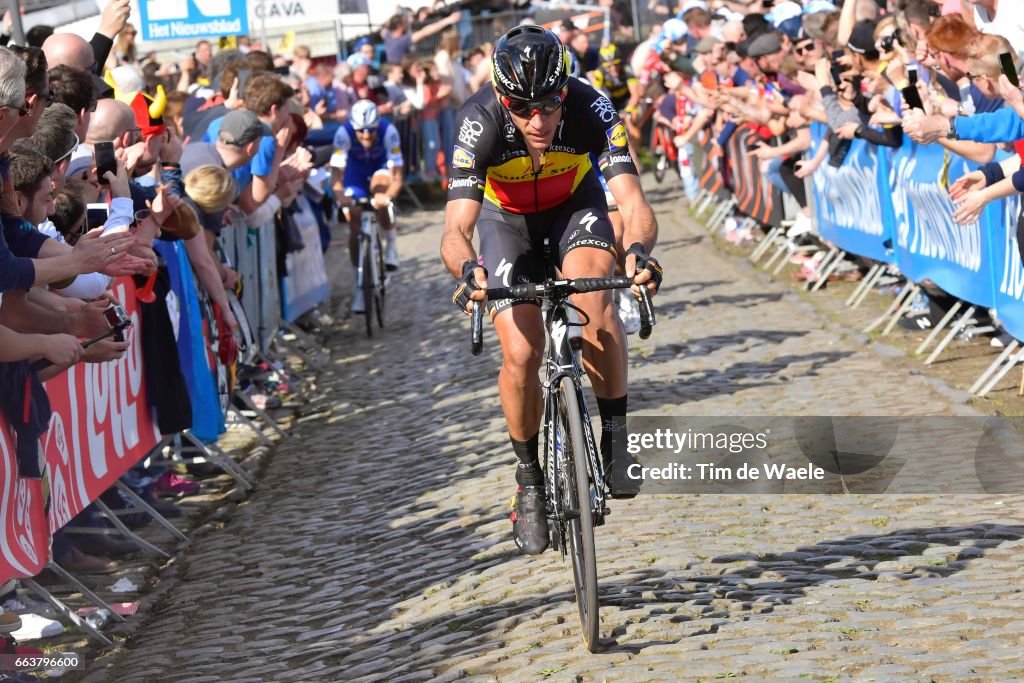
(24, 529)
(101, 426)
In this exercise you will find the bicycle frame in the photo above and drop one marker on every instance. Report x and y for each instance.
(561, 366)
(369, 238)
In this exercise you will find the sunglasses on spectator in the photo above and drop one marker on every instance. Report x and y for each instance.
(527, 108)
(803, 47)
(48, 97)
(69, 152)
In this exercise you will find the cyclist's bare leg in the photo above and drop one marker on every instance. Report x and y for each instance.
(521, 333)
(355, 221)
(604, 340)
(618, 227)
(379, 184)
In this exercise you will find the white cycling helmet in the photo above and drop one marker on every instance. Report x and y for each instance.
(364, 115)
(674, 30)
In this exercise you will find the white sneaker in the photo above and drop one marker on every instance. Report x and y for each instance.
(358, 304)
(391, 261)
(801, 226)
(34, 626)
(629, 311)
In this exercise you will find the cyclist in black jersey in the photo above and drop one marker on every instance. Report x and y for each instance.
(616, 80)
(521, 172)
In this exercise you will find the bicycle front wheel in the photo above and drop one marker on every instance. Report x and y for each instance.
(581, 523)
(367, 284)
(382, 285)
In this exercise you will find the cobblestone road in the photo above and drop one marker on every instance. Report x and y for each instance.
(377, 544)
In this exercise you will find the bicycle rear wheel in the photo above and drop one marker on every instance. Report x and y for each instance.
(581, 523)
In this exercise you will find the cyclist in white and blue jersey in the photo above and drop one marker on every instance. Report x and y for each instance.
(370, 169)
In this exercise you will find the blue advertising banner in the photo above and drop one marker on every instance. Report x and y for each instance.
(930, 244)
(207, 418)
(305, 285)
(175, 19)
(1002, 221)
(853, 203)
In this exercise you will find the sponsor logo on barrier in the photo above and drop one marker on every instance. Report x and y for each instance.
(100, 414)
(617, 136)
(470, 131)
(1012, 282)
(23, 518)
(851, 195)
(604, 109)
(471, 181)
(932, 233)
(462, 158)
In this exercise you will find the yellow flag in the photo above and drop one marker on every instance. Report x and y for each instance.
(287, 43)
(228, 42)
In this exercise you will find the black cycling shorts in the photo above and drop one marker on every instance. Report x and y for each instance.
(512, 245)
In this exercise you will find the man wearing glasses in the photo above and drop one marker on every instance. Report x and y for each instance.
(371, 168)
(522, 172)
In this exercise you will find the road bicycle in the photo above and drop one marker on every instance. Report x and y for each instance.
(573, 476)
(371, 276)
(664, 150)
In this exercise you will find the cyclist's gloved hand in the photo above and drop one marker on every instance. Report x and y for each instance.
(467, 285)
(645, 262)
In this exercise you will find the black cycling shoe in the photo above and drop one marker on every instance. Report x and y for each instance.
(616, 474)
(529, 520)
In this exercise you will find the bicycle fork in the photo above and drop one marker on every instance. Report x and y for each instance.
(367, 241)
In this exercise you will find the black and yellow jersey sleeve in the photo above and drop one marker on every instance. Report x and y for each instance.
(477, 133)
(490, 160)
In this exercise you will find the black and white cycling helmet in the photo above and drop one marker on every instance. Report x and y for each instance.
(529, 63)
(364, 115)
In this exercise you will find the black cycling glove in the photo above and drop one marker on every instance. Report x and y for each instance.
(467, 285)
(645, 262)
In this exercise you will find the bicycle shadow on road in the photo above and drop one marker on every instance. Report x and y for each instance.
(704, 346)
(701, 384)
(706, 603)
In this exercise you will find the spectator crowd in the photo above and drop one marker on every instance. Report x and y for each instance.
(228, 139)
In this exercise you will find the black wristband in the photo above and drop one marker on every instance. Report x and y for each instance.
(467, 269)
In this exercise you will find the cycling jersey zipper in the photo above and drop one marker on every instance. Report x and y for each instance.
(536, 176)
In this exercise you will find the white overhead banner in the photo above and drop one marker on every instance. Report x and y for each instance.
(278, 13)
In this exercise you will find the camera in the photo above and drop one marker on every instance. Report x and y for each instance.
(887, 42)
(118, 321)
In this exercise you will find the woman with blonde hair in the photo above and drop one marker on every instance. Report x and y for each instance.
(210, 191)
(125, 51)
